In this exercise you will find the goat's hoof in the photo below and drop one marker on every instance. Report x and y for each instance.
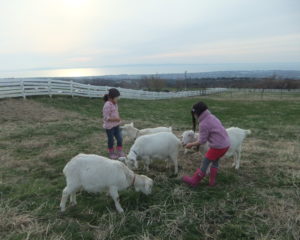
(120, 211)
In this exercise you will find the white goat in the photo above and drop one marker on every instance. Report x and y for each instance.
(160, 146)
(236, 136)
(128, 130)
(95, 174)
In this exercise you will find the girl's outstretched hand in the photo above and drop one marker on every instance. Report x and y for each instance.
(189, 145)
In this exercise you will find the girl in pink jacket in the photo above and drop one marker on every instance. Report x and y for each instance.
(111, 122)
(212, 131)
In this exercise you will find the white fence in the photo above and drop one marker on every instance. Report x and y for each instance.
(259, 90)
(10, 88)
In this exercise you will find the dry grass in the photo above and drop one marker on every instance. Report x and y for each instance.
(15, 223)
(12, 110)
(260, 201)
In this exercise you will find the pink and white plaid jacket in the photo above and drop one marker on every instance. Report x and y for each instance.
(110, 110)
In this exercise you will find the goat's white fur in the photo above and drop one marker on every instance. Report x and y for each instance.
(128, 130)
(160, 146)
(236, 136)
(95, 173)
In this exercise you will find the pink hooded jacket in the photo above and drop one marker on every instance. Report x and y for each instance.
(212, 131)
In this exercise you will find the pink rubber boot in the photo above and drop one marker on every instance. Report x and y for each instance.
(120, 152)
(195, 179)
(212, 176)
(111, 153)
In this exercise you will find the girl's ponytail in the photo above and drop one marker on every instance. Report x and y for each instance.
(194, 121)
(197, 110)
(105, 98)
(112, 93)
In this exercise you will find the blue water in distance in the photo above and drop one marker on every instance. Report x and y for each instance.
(146, 69)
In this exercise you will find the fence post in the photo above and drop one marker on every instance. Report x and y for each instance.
(49, 88)
(71, 88)
(262, 93)
(89, 90)
(22, 89)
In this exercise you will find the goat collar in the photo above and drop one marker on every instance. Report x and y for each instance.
(134, 152)
(133, 181)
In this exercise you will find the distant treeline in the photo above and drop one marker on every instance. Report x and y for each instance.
(155, 83)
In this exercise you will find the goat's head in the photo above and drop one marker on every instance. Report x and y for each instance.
(130, 160)
(143, 184)
(187, 137)
(128, 130)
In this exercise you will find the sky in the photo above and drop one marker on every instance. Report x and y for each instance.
(42, 34)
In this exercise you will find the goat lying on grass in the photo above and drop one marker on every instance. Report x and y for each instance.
(95, 174)
(236, 136)
(128, 130)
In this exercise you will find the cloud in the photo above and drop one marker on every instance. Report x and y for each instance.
(241, 48)
(82, 33)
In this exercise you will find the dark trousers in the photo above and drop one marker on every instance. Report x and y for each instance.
(114, 133)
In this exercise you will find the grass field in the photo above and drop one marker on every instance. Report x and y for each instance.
(259, 201)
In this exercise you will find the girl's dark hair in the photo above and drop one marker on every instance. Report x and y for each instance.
(112, 93)
(197, 109)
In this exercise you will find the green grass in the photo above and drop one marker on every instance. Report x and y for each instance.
(259, 201)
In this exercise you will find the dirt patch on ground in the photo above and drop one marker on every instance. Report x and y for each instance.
(52, 153)
(7, 160)
(15, 110)
(34, 142)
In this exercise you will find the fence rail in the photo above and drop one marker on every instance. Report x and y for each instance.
(10, 88)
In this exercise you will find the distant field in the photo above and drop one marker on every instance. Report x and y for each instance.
(259, 201)
(260, 94)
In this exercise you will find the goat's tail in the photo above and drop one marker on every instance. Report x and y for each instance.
(248, 132)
